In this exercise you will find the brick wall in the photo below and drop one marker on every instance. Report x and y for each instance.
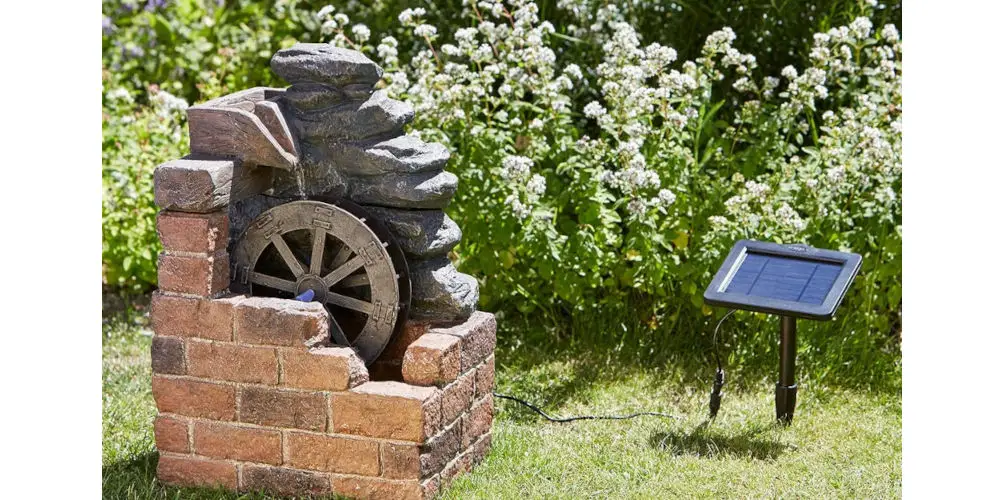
(252, 397)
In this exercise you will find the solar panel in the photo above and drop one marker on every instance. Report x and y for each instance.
(784, 279)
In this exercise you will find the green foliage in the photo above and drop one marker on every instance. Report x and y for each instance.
(134, 143)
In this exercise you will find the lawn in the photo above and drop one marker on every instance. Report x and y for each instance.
(845, 442)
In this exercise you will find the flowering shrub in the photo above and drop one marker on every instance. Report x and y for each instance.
(597, 165)
(134, 143)
(657, 174)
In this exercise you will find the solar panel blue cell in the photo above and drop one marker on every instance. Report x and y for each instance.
(783, 278)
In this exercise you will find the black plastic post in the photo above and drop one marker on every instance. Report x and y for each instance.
(784, 394)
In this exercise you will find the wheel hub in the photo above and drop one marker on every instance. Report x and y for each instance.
(314, 283)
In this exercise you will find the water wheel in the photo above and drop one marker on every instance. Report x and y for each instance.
(331, 254)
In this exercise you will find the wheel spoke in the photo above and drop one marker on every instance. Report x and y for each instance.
(348, 302)
(273, 282)
(342, 255)
(343, 271)
(286, 253)
(354, 281)
(338, 333)
(319, 242)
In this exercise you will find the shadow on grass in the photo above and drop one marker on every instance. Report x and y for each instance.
(136, 479)
(703, 442)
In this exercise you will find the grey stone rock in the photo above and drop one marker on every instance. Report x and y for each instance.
(440, 292)
(317, 174)
(403, 154)
(324, 63)
(309, 96)
(353, 120)
(422, 190)
(420, 233)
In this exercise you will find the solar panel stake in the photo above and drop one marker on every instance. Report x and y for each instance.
(793, 281)
(784, 393)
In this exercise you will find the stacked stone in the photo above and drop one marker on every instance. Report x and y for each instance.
(352, 145)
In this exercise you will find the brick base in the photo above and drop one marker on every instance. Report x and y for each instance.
(251, 397)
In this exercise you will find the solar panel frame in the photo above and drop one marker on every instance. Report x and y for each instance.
(717, 293)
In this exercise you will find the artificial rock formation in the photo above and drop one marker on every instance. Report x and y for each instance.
(352, 146)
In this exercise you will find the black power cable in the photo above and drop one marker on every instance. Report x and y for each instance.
(582, 417)
(715, 402)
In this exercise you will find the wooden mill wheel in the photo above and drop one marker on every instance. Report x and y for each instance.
(345, 260)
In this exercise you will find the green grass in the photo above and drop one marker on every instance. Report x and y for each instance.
(845, 441)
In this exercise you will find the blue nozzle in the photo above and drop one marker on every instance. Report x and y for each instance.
(306, 296)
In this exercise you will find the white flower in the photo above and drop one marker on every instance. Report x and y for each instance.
(325, 11)
(757, 189)
(167, 101)
(328, 27)
(718, 220)
(361, 33)
(536, 124)
(861, 27)
(425, 30)
(890, 33)
(465, 35)
(789, 72)
(536, 185)
(636, 206)
(720, 40)
(836, 174)
(119, 94)
(573, 71)
(407, 16)
(594, 110)
(666, 197)
(341, 19)
(515, 167)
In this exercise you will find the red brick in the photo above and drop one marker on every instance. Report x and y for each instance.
(437, 452)
(202, 276)
(167, 355)
(194, 471)
(485, 377)
(433, 359)
(195, 233)
(391, 410)
(407, 335)
(400, 461)
(333, 453)
(194, 398)
(478, 421)
(171, 434)
(218, 440)
(431, 486)
(481, 447)
(322, 368)
(479, 338)
(278, 408)
(457, 397)
(237, 363)
(282, 481)
(281, 322)
(176, 316)
(376, 489)
(461, 465)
